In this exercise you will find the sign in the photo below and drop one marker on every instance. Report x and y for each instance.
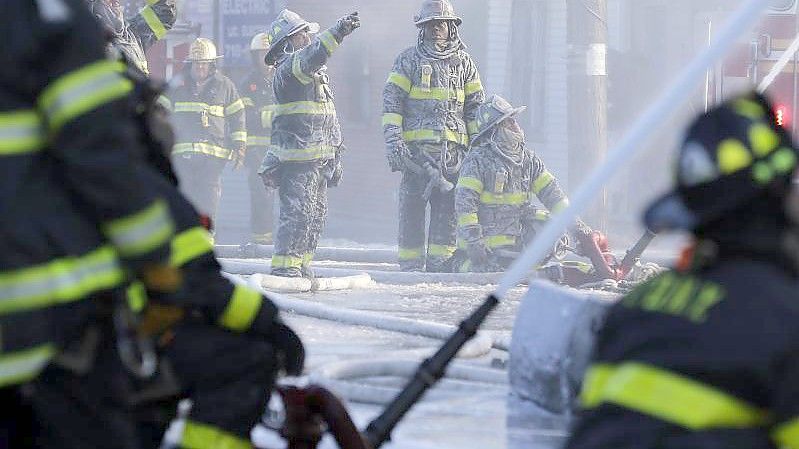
(241, 20)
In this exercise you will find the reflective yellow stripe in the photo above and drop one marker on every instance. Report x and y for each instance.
(749, 108)
(763, 139)
(239, 136)
(241, 310)
(468, 219)
(496, 241)
(248, 102)
(732, 156)
(203, 148)
(508, 199)
(472, 127)
(473, 87)
(542, 181)
(562, 204)
(307, 259)
(390, 118)
(400, 81)
(137, 296)
(784, 160)
(20, 132)
(259, 141)
(329, 41)
(60, 281)
(432, 135)
(23, 366)
(234, 107)
(82, 91)
(203, 436)
(542, 215)
(786, 435)
(440, 250)
(141, 232)
(152, 20)
(304, 154)
(305, 107)
(189, 245)
(468, 182)
(279, 261)
(437, 93)
(296, 70)
(193, 106)
(410, 253)
(668, 396)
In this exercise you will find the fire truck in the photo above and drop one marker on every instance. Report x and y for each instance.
(755, 57)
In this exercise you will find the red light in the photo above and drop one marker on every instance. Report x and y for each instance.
(782, 115)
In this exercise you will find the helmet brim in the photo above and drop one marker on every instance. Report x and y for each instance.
(512, 113)
(420, 23)
(669, 213)
(204, 60)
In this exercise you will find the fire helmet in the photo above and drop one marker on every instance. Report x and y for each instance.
(436, 10)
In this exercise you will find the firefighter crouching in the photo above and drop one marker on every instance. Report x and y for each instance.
(496, 190)
(210, 126)
(77, 216)
(259, 101)
(431, 96)
(305, 153)
(706, 355)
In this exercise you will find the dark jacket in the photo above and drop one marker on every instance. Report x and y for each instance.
(258, 96)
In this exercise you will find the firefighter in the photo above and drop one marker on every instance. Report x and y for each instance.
(705, 355)
(210, 124)
(78, 215)
(305, 154)
(259, 99)
(134, 37)
(430, 98)
(498, 183)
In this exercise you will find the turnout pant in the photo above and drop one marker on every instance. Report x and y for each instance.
(441, 232)
(303, 210)
(200, 177)
(261, 199)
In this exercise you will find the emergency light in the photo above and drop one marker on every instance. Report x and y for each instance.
(783, 115)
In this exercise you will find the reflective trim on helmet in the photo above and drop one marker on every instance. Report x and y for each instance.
(22, 366)
(497, 241)
(542, 181)
(82, 91)
(60, 281)
(241, 310)
(468, 219)
(258, 141)
(202, 148)
(399, 80)
(281, 261)
(405, 254)
(154, 22)
(437, 93)
(732, 156)
(304, 154)
(504, 199)
(239, 136)
(198, 107)
(763, 139)
(234, 107)
(668, 396)
(391, 118)
(468, 182)
(21, 132)
(141, 232)
(329, 41)
(445, 251)
(432, 135)
(203, 436)
(786, 434)
(473, 87)
(189, 245)
(305, 107)
(296, 70)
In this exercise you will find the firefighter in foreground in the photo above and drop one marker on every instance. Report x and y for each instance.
(305, 154)
(134, 37)
(498, 183)
(430, 99)
(210, 126)
(705, 355)
(259, 99)
(77, 215)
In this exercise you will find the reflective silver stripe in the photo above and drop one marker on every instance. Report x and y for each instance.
(202, 147)
(193, 106)
(20, 132)
(329, 41)
(305, 107)
(141, 232)
(257, 141)
(60, 281)
(22, 366)
(305, 154)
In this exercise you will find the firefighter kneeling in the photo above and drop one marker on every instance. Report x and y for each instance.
(705, 355)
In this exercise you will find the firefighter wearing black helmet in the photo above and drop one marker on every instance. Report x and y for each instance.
(707, 355)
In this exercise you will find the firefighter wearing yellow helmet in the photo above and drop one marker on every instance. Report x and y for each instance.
(210, 126)
(259, 99)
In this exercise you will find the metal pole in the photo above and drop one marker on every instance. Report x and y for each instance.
(781, 63)
(632, 143)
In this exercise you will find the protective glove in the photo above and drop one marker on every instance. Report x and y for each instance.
(269, 171)
(347, 24)
(336, 173)
(239, 154)
(161, 278)
(288, 348)
(395, 155)
(478, 255)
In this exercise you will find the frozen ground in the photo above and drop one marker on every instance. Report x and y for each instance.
(463, 414)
